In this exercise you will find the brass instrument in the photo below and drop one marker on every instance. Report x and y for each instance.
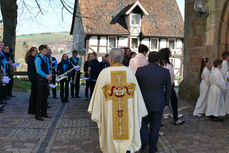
(64, 75)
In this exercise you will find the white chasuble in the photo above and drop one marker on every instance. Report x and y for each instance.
(118, 107)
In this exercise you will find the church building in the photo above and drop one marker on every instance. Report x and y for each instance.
(100, 25)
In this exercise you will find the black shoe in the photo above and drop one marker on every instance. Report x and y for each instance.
(31, 113)
(178, 122)
(1, 111)
(54, 97)
(78, 97)
(48, 106)
(66, 101)
(39, 118)
(73, 97)
(12, 96)
(46, 116)
(7, 98)
(87, 99)
(4, 102)
(216, 119)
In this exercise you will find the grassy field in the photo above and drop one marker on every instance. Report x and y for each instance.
(44, 38)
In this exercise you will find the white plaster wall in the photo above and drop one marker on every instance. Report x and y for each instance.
(123, 42)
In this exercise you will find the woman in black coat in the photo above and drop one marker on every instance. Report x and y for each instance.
(64, 66)
(31, 69)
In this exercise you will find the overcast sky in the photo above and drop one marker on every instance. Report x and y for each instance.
(51, 20)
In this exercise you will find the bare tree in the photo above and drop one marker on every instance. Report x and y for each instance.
(9, 16)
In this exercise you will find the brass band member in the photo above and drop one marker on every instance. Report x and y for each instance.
(75, 75)
(10, 71)
(53, 63)
(64, 66)
(32, 75)
(43, 77)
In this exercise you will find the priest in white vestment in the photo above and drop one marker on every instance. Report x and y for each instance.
(225, 72)
(118, 107)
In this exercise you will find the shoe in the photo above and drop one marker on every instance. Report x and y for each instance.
(180, 115)
(12, 96)
(48, 106)
(54, 97)
(66, 101)
(178, 122)
(39, 118)
(216, 119)
(87, 99)
(161, 133)
(31, 113)
(78, 97)
(145, 149)
(7, 98)
(73, 97)
(197, 115)
(46, 116)
(4, 102)
(1, 111)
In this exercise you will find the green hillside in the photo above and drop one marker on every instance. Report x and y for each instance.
(24, 42)
(44, 38)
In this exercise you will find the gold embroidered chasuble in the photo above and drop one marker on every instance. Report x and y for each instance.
(118, 107)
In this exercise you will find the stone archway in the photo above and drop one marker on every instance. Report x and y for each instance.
(224, 30)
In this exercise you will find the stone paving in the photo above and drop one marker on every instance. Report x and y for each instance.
(70, 130)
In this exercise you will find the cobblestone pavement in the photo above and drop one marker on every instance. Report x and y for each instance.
(70, 130)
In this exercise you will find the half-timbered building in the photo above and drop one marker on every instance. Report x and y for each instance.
(99, 25)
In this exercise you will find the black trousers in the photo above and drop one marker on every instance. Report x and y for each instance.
(150, 136)
(92, 87)
(174, 103)
(32, 98)
(75, 89)
(54, 82)
(87, 88)
(10, 87)
(42, 95)
(64, 90)
(1, 93)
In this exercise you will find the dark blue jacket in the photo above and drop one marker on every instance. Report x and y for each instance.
(155, 85)
(61, 65)
(85, 68)
(96, 68)
(31, 69)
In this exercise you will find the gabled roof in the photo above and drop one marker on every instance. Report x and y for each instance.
(105, 17)
(137, 3)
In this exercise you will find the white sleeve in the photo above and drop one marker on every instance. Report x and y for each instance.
(220, 81)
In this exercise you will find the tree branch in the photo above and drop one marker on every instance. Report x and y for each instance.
(40, 10)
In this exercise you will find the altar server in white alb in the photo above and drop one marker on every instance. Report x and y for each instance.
(205, 75)
(118, 107)
(225, 72)
(216, 101)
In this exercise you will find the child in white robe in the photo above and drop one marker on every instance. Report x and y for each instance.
(215, 105)
(225, 71)
(201, 103)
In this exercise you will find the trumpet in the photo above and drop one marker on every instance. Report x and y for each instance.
(64, 75)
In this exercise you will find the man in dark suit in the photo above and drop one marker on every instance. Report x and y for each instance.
(155, 85)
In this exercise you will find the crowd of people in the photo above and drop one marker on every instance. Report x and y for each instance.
(152, 79)
(6, 69)
(43, 70)
(155, 77)
(214, 96)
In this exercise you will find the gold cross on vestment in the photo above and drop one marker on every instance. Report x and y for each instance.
(119, 91)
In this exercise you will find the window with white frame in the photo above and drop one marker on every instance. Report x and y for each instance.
(154, 44)
(134, 43)
(135, 19)
(112, 42)
(172, 44)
